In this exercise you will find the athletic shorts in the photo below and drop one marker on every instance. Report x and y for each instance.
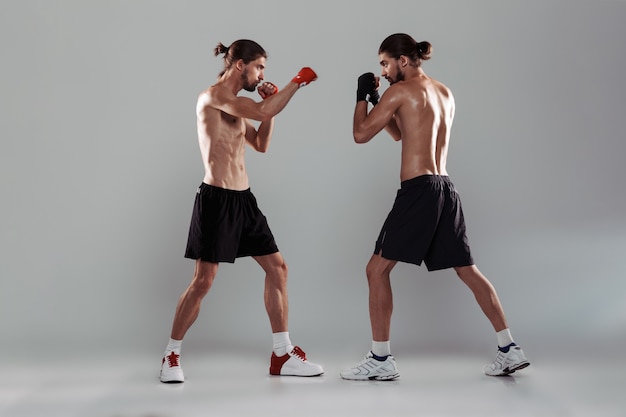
(227, 224)
(426, 224)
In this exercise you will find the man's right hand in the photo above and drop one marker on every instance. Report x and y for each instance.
(267, 89)
(304, 77)
(367, 86)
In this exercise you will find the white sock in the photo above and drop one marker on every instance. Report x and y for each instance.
(282, 344)
(381, 348)
(504, 337)
(173, 346)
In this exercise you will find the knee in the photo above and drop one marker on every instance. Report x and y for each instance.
(464, 272)
(473, 278)
(283, 270)
(372, 272)
(202, 282)
(279, 272)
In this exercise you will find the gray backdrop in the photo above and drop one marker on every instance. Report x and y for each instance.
(99, 165)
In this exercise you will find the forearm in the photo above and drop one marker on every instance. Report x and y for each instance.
(264, 135)
(275, 103)
(360, 114)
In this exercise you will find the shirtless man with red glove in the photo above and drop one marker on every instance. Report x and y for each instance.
(226, 222)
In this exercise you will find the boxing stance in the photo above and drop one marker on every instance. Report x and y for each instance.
(426, 222)
(226, 222)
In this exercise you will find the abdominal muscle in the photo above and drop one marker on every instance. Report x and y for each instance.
(222, 145)
(224, 164)
(231, 176)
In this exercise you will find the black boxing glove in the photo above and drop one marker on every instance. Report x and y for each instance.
(367, 87)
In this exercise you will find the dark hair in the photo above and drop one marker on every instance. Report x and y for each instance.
(403, 44)
(244, 49)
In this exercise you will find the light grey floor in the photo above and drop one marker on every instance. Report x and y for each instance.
(238, 385)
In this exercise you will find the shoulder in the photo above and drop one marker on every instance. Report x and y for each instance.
(442, 88)
(214, 96)
(397, 91)
(445, 95)
(204, 100)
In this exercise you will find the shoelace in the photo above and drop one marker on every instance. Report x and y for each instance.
(172, 360)
(365, 360)
(298, 353)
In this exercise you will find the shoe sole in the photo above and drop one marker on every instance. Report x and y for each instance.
(519, 367)
(509, 371)
(385, 377)
(375, 378)
(171, 381)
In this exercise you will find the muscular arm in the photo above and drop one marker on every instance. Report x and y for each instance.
(366, 126)
(260, 138)
(224, 100)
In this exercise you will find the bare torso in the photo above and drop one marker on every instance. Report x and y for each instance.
(222, 139)
(424, 118)
(417, 111)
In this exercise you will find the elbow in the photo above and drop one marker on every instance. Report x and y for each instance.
(264, 117)
(361, 134)
(359, 137)
(262, 146)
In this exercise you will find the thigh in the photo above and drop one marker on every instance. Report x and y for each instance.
(408, 231)
(256, 237)
(450, 246)
(204, 274)
(215, 228)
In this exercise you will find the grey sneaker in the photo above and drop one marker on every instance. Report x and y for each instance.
(509, 359)
(371, 368)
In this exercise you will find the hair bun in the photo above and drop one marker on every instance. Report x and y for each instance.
(221, 49)
(424, 50)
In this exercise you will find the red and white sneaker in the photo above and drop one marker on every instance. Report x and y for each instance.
(294, 363)
(171, 371)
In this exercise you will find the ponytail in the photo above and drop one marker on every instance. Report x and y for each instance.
(423, 50)
(220, 49)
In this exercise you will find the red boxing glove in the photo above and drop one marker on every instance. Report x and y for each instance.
(267, 89)
(304, 77)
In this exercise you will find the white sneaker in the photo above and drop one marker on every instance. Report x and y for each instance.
(294, 363)
(509, 360)
(372, 369)
(171, 371)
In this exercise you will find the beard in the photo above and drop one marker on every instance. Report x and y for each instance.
(399, 77)
(247, 85)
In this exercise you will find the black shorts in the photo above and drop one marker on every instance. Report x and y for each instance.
(426, 224)
(227, 224)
